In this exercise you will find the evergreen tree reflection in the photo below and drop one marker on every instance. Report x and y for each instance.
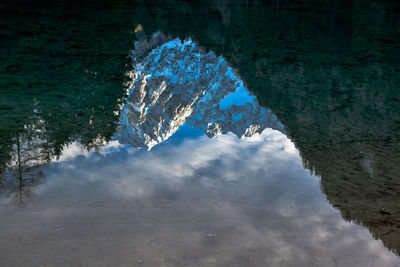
(31, 151)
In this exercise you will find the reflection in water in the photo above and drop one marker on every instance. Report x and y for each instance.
(347, 133)
(31, 150)
(176, 82)
(241, 198)
(328, 69)
(201, 202)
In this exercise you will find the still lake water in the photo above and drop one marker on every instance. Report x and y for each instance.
(201, 133)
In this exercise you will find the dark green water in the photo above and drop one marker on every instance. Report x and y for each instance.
(329, 70)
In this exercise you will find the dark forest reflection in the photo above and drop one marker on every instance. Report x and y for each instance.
(329, 70)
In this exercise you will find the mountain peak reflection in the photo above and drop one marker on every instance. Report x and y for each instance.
(177, 82)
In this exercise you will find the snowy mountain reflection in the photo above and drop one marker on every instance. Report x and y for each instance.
(221, 185)
(174, 84)
(177, 82)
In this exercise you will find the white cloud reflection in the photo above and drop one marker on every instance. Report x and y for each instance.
(193, 202)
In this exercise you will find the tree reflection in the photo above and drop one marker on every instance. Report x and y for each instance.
(31, 151)
(19, 183)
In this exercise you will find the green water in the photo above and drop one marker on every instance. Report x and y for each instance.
(330, 71)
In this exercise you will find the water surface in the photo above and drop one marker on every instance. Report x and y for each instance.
(219, 186)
